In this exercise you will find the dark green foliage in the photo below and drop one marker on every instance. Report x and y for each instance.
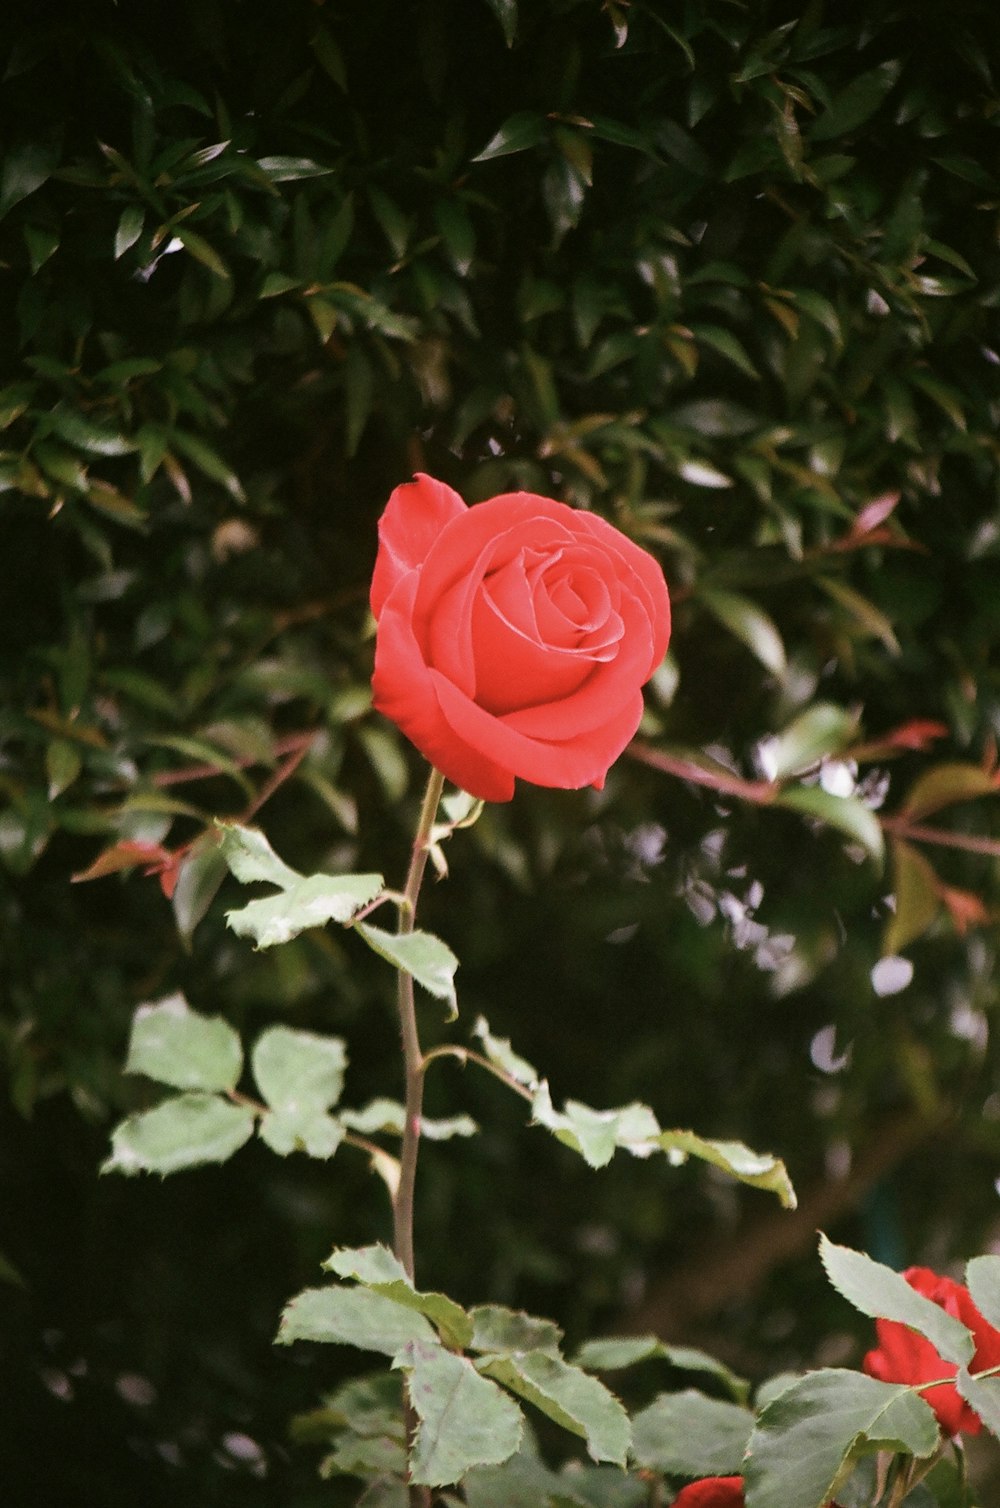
(728, 274)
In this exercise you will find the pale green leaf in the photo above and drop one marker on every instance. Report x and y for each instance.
(250, 857)
(500, 1052)
(377, 1269)
(759, 1169)
(498, 1329)
(175, 1045)
(354, 1317)
(183, 1132)
(426, 957)
(982, 1276)
(689, 1435)
(465, 1420)
(299, 1071)
(983, 1395)
(880, 1292)
(306, 1130)
(805, 1436)
(314, 901)
(568, 1395)
(596, 1134)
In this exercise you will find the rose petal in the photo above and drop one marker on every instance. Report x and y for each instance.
(410, 524)
(648, 580)
(566, 766)
(403, 689)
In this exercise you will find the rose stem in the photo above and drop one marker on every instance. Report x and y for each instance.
(413, 1060)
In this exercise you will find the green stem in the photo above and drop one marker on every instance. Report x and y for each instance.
(413, 1060)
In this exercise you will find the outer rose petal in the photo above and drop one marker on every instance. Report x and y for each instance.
(411, 522)
(403, 690)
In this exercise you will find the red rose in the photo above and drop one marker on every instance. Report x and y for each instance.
(904, 1356)
(513, 637)
(712, 1492)
(715, 1492)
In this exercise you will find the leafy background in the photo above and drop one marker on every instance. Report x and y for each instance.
(726, 274)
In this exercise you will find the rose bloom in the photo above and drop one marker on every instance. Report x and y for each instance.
(712, 1492)
(513, 637)
(715, 1492)
(904, 1356)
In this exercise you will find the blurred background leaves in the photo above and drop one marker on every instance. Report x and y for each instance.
(728, 276)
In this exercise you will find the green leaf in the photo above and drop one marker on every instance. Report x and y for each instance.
(465, 1420)
(846, 813)
(568, 1395)
(209, 462)
(175, 1045)
(498, 1329)
(377, 1269)
(61, 465)
(294, 1129)
(297, 1071)
(946, 785)
(982, 1276)
(201, 250)
(506, 13)
(880, 1292)
(63, 763)
(25, 169)
(129, 228)
(689, 1435)
(312, 902)
(519, 132)
(395, 225)
(857, 102)
(71, 425)
(806, 1435)
(354, 1317)
(612, 1353)
(915, 888)
(201, 872)
(524, 1481)
(759, 1169)
(42, 241)
(725, 344)
(821, 730)
(426, 957)
(750, 624)
(183, 1132)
